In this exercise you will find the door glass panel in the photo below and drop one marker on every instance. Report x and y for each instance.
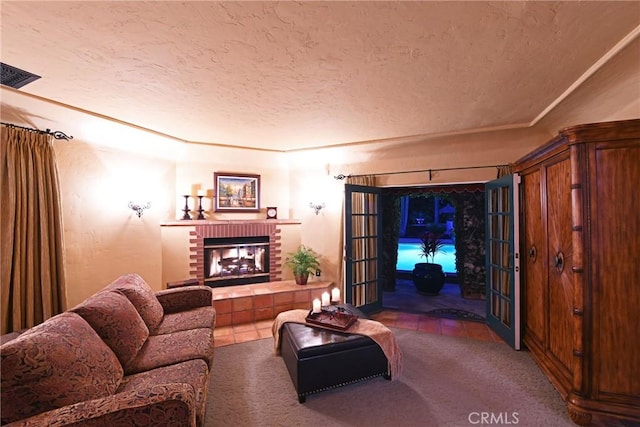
(506, 313)
(359, 226)
(505, 200)
(493, 201)
(505, 255)
(506, 226)
(504, 284)
(495, 252)
(362, 233)
(357, 296)
(501, 202)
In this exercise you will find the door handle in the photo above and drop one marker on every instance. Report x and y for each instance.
(533, 253)
(558, 262)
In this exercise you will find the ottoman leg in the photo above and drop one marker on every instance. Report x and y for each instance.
(302, 398)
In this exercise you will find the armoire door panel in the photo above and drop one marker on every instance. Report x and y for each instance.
(558, 262)
(534, 290)
(616, 332)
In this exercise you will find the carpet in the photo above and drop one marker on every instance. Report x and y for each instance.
(446, 381)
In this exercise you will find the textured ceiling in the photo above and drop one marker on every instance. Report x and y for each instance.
(285, 75)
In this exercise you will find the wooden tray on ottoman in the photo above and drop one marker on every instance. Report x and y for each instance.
(334, 319)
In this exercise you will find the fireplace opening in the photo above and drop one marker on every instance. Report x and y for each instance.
(236, 260)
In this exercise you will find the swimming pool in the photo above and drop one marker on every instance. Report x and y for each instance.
(409, 255)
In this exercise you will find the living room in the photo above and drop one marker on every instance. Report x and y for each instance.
(109, 163)
(114, 158)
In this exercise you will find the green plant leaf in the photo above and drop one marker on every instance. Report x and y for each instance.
(302, 260)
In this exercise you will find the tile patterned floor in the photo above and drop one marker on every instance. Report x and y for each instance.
(235, 334)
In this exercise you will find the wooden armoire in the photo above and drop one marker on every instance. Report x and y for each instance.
(580, 275)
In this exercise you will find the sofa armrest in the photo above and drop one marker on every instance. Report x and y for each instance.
(185, 298)
(159, 405)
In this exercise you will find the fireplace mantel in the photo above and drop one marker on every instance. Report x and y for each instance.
(194, 222)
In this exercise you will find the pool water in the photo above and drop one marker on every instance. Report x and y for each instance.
(409, 255)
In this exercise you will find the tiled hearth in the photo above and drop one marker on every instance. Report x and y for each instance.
(263, 301)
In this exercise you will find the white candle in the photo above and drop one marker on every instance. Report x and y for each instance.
(325, 298)
(201, 192)
(335, 295)
(316, 306)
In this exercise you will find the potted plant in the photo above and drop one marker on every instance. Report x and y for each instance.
(302, 262)
(428, 277)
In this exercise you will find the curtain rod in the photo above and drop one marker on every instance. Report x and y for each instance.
(56, 133)
(342, 176)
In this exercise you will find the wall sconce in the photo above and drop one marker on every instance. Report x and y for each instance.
(316, 207)
(138, 208)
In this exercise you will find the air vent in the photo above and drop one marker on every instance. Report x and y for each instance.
(15, 77)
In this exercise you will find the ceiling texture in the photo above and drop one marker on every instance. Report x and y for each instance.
(294, 75)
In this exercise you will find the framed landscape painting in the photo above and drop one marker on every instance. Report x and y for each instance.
(236, 192)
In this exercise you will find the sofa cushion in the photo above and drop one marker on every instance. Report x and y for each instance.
(141, 296)
(117, 322)
(201, 317)
(193, 372)
(164, 350)
(185, 298)
(57, 363)
(10, 336)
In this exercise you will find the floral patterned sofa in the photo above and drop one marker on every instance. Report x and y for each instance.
(125, 356)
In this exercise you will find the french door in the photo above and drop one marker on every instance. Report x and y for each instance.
(363, 244)
(502, 258)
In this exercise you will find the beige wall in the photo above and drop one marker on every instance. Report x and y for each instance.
(103, 237)
(107, 164)
(612, 93)
(197, 163)
(176, 249)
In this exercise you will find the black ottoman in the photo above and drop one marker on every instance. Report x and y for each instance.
(319, 359)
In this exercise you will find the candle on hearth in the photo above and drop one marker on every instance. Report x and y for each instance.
(325, 298)
(316, 306)
(335, 295)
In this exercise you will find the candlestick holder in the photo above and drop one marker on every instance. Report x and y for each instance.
(186, 209)
(200, 210)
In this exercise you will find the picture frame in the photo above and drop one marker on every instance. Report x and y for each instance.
(236, 192)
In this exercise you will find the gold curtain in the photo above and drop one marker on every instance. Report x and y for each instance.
(504, 170)
(360, 249)
(33, 287)
(368, 180)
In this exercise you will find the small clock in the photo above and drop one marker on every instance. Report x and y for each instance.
(272, 212)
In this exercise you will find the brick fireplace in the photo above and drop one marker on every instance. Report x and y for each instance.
(183, 263)
(203, 232)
